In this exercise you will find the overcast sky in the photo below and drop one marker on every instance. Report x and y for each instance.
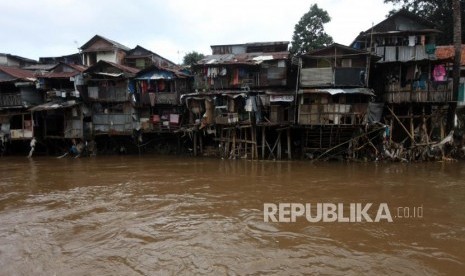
(171, 28)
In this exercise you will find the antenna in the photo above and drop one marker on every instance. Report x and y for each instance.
(79, 51)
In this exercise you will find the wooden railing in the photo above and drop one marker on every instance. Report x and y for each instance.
(332, 114)
(10, 99)
(429, 92)
(112, 123)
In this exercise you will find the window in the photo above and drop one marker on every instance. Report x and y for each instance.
(346, 62)
(140, 63)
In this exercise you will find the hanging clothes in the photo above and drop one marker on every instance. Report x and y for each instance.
(236, 77)
(439, 73)
(411, 40)
(161, 86)
(223, 71)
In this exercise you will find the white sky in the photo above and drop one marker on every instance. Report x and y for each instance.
(170, 28)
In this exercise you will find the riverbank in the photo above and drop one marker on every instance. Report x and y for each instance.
(366, 145)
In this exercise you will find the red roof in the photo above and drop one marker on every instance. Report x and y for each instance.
(17, 73)
(448, 52)
(125, 68)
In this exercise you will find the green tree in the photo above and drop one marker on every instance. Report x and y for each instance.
(309, 33)
(192, 58)
(438, 12)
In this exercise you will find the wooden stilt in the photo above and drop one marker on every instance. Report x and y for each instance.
(195, 143)
(412, 128)
(289, 154)
(200, 137)
(233, 149)
(228, 142)
(390, 130)
(400, 123)
(263, 142)
(254, 143)
(246, 146)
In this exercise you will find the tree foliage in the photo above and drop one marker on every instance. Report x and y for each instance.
(309, 32)
(192, 58)
(438, 12)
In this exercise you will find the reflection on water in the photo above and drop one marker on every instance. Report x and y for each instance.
(172, 215)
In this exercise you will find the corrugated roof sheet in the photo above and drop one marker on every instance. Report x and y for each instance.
(156, 75)
(388, 24)
(285, 43)
(246, 58)
(19, 58)
(123, 68)
(155, 70)
(17, 74)
(96, 37)
(44, 67)
(448, 52)
(334, 91)
(53, 105)
(77, 69)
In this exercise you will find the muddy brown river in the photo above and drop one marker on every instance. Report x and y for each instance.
(181, 216)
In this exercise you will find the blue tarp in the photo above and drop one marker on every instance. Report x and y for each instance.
(156, 75)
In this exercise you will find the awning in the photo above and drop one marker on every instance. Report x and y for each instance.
(281, 98)
(334, 91)
(109, 74)
(52, 105)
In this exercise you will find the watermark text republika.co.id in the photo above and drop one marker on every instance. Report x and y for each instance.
(338, 212)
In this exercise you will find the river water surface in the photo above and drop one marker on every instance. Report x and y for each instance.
(181, 216)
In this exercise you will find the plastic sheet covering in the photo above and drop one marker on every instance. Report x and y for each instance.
(375, 111)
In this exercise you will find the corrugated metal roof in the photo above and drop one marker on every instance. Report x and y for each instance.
(19, 58)
(255, 44)
(53, 105)
(44, 67)
(155, 70)
(77, 69)
(389, 24)
(448, 52)
(17, 73)
(147, 53)
(245, 58)
(96, 37)
(123, 68)
(156, 75)
(334, 91)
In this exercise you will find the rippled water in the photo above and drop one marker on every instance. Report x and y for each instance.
(173, 216)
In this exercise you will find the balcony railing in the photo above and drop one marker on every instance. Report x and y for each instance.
(155, 98)
(426, 92)
(332, 114)
(108, 94)
(10, 99)
(330, 77)
(112, 123)
(403, 53)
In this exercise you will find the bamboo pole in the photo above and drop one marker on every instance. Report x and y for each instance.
(400, 123)
(347, 141)
(263, 142)
(412, 127)
(195, 143)
(289, 155)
